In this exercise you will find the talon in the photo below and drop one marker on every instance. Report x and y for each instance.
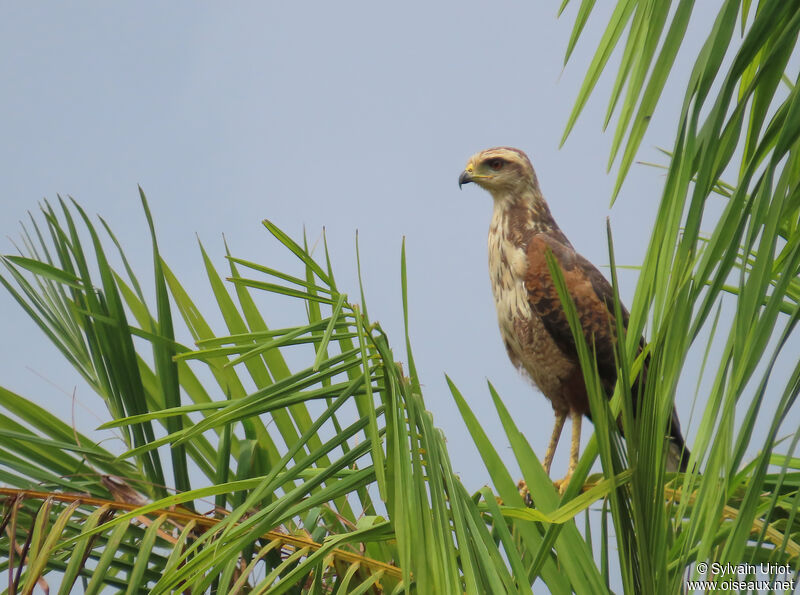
(525, 493)
(562, 484)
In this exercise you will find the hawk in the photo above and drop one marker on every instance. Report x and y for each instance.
(532, 321)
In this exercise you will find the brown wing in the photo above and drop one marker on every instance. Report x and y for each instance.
(591, 293)
(594, 302)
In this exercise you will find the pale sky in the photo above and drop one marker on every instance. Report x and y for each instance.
(349, 115)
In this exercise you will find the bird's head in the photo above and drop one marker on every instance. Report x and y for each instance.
(500, 170)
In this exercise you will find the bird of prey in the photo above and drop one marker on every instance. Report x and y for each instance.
(532, 320)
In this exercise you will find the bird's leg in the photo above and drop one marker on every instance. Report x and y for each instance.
(561, 417)
(575, 447)
(574, 450)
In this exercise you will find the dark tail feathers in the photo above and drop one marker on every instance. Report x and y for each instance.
(678, 454)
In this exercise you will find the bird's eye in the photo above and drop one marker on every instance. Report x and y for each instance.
(496, 164)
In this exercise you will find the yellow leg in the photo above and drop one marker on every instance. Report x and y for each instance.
(574, 451)
(575, 447)
(561, 416)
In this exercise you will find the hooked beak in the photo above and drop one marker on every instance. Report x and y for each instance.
(464, 178)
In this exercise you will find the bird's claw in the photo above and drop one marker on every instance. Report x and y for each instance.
(562, 484)
(525, 493)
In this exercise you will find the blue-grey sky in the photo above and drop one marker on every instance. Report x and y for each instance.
(352, 116)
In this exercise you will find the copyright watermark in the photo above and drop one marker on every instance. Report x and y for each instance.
(751, 577)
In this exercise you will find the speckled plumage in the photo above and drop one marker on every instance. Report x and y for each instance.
(530, 346)
(531, 318)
